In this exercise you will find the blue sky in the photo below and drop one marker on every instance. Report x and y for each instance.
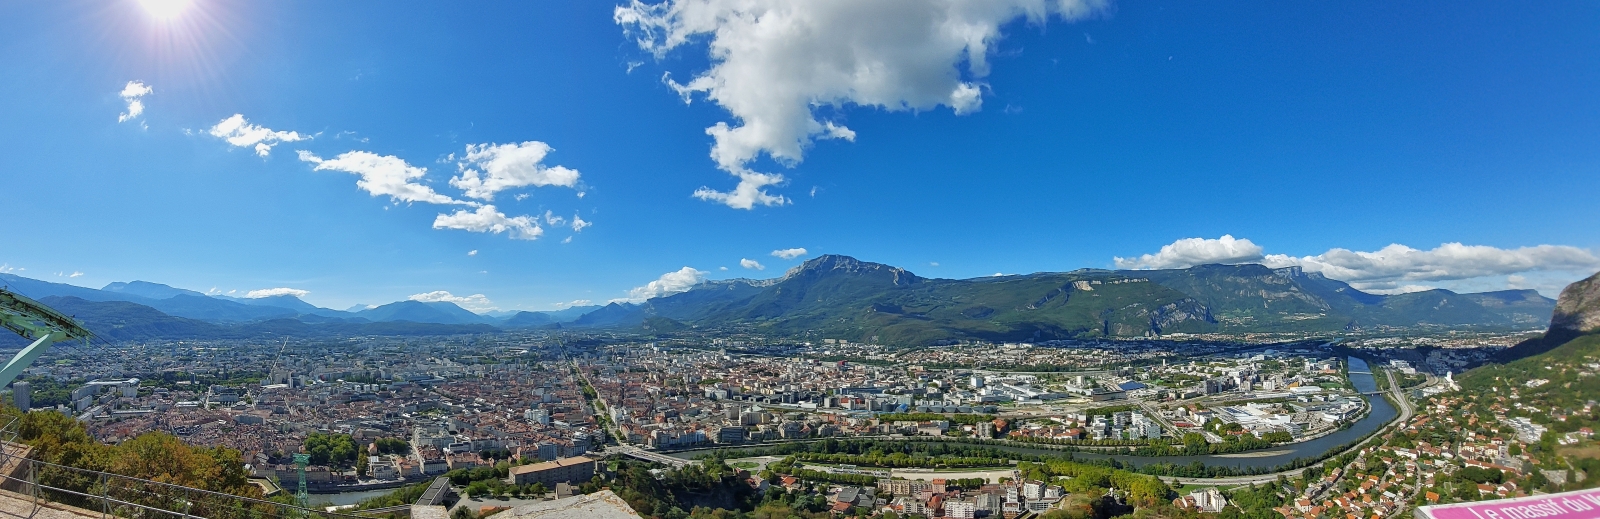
(1351, 138)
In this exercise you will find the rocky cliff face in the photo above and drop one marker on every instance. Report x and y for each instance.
(1578, 308)
(1577, 313)
(836, 264)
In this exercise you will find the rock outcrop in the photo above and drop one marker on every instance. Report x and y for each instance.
(1577, 313)
(1578, 308)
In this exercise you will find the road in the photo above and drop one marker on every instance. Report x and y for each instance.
(1153, 414)
(600, 405)
(1398, 394)
(1406, 409)
(989, 475)
(629, 450)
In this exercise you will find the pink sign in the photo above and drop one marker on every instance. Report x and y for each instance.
(1582, 504)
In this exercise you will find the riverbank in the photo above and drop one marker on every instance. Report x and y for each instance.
(1278, 458)
(363, 487)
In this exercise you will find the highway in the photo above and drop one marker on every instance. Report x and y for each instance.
(635, 452)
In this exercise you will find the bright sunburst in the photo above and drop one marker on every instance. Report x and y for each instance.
(164, 9)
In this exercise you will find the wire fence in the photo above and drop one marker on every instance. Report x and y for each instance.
(116, 495)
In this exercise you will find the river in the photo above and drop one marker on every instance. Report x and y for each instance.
(345, 498)
(1381, 413)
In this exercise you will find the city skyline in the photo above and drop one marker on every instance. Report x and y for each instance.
(558, 154)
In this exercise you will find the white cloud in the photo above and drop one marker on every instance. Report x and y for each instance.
(566, 240)
(674, 282)
(490, 168)
(751, 264)
(6, 268)
(473, 303)
(1396, 268)
(382, 175)
(473, 252)
(1189, 252)
(75, 274)
(748, 193)
(391, 176)
(572, 303)
(132, 94)
(789, 254)
(933, 263)
(774, 63)
(487, 219)
(273, 292)
(724, 269)
(239, 132)
(579, 224)
(1399, 268)
(551, 218)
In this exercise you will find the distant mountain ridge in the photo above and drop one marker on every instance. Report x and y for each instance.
(197, 307)
(147, 289)
(422, 312)
(843, 297)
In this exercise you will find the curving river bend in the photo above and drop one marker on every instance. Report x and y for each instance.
(1381, 413)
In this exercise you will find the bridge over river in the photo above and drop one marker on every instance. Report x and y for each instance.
(1381, 412)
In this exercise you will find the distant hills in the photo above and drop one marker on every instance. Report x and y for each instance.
(141, 310)
(842, 297)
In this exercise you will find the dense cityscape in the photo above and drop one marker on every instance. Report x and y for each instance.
(377, 413)
(799, 259)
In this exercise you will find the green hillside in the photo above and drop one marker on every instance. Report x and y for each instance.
(842, 297)
(1559, 381)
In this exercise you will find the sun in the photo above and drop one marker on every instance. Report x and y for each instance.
(164, 9)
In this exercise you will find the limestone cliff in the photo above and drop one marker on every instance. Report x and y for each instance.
(1578, 308)
(1577, 313)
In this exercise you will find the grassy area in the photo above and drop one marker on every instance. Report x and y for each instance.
(745, 465)
(1581, 450)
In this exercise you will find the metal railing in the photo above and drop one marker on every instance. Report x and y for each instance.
(116, 495)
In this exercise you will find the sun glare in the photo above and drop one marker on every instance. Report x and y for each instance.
(164, 9)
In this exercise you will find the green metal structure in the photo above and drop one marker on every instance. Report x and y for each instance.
(302, 498)
(34, 320)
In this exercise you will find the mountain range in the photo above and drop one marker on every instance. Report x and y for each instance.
(842, 297)
(145, 310)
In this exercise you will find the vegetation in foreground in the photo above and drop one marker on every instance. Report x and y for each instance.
(62, 441)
